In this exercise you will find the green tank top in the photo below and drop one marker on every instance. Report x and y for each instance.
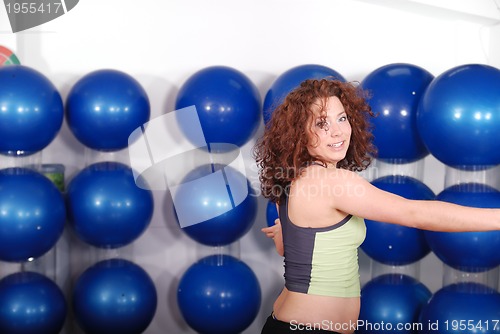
(322, 261)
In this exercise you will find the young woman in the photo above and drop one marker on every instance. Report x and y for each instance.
(308, 156)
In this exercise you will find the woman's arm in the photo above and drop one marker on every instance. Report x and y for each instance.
(359, 197)
(274, 232)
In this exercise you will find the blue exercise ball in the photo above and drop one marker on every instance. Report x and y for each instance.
(219, 294)
(215, 205)
(468, 251)
(227, 102)
(459, 116)
(32, 216)
(395, 92)
(395, 244)
(462, 308)
(271, 213)
(106, 208)
(31, 111)
(291, 79)
(31, 303)
(114, 296)
(104, 107)
(391, 303)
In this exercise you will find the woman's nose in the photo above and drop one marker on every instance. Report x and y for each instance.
(335, 129)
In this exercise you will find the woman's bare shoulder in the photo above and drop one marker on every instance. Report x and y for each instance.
(344, 174)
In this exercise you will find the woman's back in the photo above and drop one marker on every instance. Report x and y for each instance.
(321, 268)
(311, 199)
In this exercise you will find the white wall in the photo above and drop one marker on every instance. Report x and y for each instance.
(161, 43)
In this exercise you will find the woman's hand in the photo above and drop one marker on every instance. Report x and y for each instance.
(274, 232)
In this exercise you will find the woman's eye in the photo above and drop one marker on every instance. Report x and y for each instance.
(322, 124)
(343, 118)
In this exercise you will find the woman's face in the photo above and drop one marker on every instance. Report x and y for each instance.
(330, 132)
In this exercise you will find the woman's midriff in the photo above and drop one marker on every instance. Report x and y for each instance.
(337, 314)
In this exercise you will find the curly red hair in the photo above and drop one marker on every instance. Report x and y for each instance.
(282, 152)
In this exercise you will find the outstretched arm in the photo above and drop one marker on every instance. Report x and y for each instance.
(363, 199)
